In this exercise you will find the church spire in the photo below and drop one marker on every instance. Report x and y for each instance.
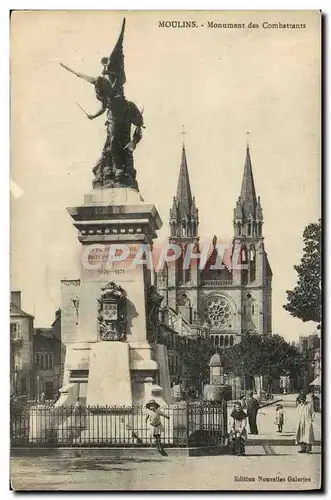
(248, 194)
(248, 212)
(184, 214)
(184, 194)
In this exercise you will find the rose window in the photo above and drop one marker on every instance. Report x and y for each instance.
(218, 313)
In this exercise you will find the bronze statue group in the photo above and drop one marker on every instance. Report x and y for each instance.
(115, 166)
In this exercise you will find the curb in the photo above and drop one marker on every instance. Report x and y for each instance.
(276, 442)
(116, 452)
(136, 453)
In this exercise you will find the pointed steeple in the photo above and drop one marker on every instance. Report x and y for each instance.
(184, 194)
(247, 216)
(259, 212)
(184, 209)
(248, 194)
(173, 210)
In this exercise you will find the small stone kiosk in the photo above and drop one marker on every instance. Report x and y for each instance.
(216, 390)
(110, 360)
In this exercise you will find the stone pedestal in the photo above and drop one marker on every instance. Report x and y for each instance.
(114, 227)
(217, 392)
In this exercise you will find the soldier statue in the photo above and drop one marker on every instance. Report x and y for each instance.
(115, 167)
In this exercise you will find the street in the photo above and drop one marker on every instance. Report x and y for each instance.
(268, 464)
(200, 473)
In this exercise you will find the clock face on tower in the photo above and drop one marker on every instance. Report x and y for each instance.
(218, 313)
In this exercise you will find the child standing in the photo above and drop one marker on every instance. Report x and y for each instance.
(279, 417)
(153, 416)
(238, 432)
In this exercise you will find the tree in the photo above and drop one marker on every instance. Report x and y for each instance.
(256, 355)
(195, 362)
(304, 301)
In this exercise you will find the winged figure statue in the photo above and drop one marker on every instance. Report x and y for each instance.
(115, 167)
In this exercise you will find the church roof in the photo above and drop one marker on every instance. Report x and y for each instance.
(213, 256)
(184, 194)
(248, 193)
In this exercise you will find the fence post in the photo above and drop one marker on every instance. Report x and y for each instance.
(225, 420)
(187, 422)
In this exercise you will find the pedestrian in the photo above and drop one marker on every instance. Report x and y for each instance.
(243, 400)
(316, 403)
(252, 406)
(238, 433)
(157, 429)
(304, 431)
(279, 417)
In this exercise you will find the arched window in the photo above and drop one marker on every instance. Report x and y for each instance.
(187, 274)
(217, 339)
(231, 340)
(252, 308)
(239, 229)
(252, 263)
(221, 341)
(249, 229)
(251, 253)
(226, 341)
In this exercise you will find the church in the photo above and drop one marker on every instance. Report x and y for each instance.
(230, 299)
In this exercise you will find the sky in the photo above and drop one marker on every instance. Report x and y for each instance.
(217, 82)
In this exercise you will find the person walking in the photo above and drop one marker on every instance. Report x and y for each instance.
(279, 417)
(304, 430)
(252, 406)
(238, 433)
(157, 428)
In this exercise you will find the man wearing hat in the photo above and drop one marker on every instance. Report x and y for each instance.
(153, 415)
(252, 406)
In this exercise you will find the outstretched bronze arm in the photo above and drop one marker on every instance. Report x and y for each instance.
(99, 113)
(87, 78)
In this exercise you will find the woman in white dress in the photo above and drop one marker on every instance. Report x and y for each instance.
(304, 431)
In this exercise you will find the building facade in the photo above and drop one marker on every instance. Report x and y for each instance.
(21, 349)
(47, 350)
(47, 364)
(310, 347)
(227, 289)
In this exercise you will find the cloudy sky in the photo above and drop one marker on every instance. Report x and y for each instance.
(218, 82)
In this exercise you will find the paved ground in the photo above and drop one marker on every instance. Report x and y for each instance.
(268, 429)
(202, 473)
(267, 465)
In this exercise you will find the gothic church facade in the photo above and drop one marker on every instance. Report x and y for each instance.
(230, 290)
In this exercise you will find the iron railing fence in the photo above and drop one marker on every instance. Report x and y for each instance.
(189, 424)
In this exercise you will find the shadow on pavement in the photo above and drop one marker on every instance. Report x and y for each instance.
(105, 464)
